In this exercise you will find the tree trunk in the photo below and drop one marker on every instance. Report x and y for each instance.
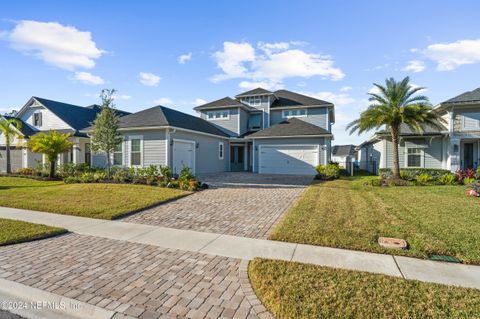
(9, 164)
(396, 165)
(52, 169)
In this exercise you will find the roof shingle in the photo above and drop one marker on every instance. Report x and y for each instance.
(291, 127)
(289, 98)
(257, 91)
(470, 96)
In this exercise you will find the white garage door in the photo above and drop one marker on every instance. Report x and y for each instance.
(288, 159)
(183, 155)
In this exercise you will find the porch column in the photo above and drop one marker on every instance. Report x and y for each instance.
(76, 151)
(245, 157)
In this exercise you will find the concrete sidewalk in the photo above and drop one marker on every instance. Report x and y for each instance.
(248, 248)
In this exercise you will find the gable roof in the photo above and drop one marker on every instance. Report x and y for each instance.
(289, 128)
(427, 130)
(164, 116)
(289, 98)
(257, 91)
(223, 102)
(466, 97)
(78, 117)
(343, 150)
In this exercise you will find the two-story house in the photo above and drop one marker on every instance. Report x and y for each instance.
(40, 115)
(456, 146)
(278, 132)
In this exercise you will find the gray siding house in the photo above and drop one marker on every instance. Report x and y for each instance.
(456, 146)
(260, 131)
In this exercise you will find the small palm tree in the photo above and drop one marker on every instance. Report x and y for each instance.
(51, 145)
(396, 103)
(10, 129)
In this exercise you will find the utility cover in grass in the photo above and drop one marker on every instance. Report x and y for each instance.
(389, 242)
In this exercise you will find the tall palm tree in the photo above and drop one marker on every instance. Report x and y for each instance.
(10, 129)
(51, 145)
(396, 104)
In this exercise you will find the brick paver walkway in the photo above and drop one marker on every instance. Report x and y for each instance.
(138, 280)
(239, 204)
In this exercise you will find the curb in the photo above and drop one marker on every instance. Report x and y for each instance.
(247, 289)
(34, 303)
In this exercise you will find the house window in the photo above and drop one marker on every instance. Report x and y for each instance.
(37, 119)
(220, 150)
(218, 115)
(135, 152)
(88, 154)
(294, 113)
(414, 157)
(117, 154)
(471, 121)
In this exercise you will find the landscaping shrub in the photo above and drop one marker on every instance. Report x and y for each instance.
(186, 180)
(465, 174)
(424, 178)
(86, 177)
(328, 172)
(412, 173)
(71, 180)
(468, 180)
(448, 179)
(27, 171)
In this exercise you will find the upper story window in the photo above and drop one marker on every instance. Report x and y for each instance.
(218, 115)
(471, 121)
(37, 119)
(255, 100)
(294, 113)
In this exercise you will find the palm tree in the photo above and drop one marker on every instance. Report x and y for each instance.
(51, 145)
(10, 129)
(396, 104)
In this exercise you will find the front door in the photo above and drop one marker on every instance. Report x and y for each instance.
(467, 155)
(237, 158)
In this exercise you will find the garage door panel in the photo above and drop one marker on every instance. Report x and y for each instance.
(290, 159)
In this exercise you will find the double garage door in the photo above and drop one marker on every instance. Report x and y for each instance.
(288, 159)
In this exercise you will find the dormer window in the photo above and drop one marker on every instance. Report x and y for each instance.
(255, 100)
(294, 113)
(37, 119)
(218, 115)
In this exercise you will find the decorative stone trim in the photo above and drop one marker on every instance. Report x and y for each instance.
(257, 306)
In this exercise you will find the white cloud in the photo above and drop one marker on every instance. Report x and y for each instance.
(271, 63)
(122, 97)
(163, 101)
(185, 58)
(374, 90)
(249, 85)
(449, 56)
(345, 88)
(56, 44)
(414, 66)
(88, 78)
(149, 79)
(199, 102)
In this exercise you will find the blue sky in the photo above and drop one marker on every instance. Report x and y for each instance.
(181, 53)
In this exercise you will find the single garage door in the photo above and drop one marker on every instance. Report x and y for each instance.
(183, 155)
(15, 159)
(288, 159)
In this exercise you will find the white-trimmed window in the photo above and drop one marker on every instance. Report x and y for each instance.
(414, 157)
(118, 154)
(37, 119)
(218, 115)
(221, 150)
(294, 113)
(471, 121)
(135, 151)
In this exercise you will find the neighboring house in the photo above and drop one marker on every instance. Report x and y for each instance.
(343, 154)
(41, 115)
(278, 132)
(456, 146)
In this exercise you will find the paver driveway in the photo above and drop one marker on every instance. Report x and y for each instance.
(240, 204)
(134, 279)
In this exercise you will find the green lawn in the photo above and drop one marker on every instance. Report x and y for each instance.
(346, 214)
(294, 290)
(105, 201)
(14, 231)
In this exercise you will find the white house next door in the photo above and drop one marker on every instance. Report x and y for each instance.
(183, 155)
